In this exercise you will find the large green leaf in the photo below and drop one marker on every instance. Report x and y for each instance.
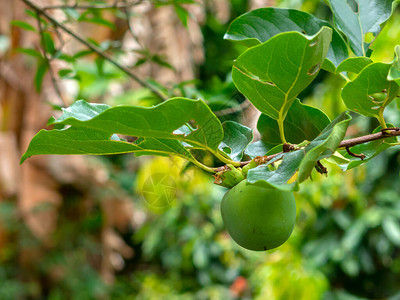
(183, 119)
(260, 25)
(364, 94)
(272, 74)
(324, 145)
(394, 71)
(353, 64)
(92, 129)
(302, 122)
(95, 142)
(365, 16)
(236, 139)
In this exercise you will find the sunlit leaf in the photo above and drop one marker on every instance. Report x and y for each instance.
(92, 127)
(30, 52)
(23, 25)
(272, 74)
(366, 16)
(260, 25)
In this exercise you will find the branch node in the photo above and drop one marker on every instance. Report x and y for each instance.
(361, 155)
(261, 160)
(288, 147)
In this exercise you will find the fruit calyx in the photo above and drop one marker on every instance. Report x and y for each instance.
(229, 177)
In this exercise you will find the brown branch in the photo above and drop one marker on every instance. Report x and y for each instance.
(386, 133)
(94, 48)
(116, 5)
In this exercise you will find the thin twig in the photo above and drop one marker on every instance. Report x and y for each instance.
(116, 5)
(128, 21)
(361, 155)
(48, 63)
(94, 48)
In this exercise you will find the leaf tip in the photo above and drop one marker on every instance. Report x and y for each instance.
(23, 158)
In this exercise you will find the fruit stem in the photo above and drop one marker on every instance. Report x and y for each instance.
(200, 165)
(281, 128)
(381, 118)
(224, 159)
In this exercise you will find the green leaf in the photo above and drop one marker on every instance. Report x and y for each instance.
(394, 71)
(364, 94)
(297, 129)
(272, 74)
(258, 148)
(353, 64)
(96, 142)
(260, 25)
(338, 159)
(82, 53)
(369, 149)
(263, 176)
(353, 235)
(182, 14)
(98, 20)
(160, 128)
(66, 73)
(48, 43)
(324, 145)
(23, 25)
(29, 51)
(236, 139)
(81, 110)
(39, 75)
(356, 22)
(302, 122)
(391, 229)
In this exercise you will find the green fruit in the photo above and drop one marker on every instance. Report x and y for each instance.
(258, 218)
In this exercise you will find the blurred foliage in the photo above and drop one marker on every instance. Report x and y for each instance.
(346, 244)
